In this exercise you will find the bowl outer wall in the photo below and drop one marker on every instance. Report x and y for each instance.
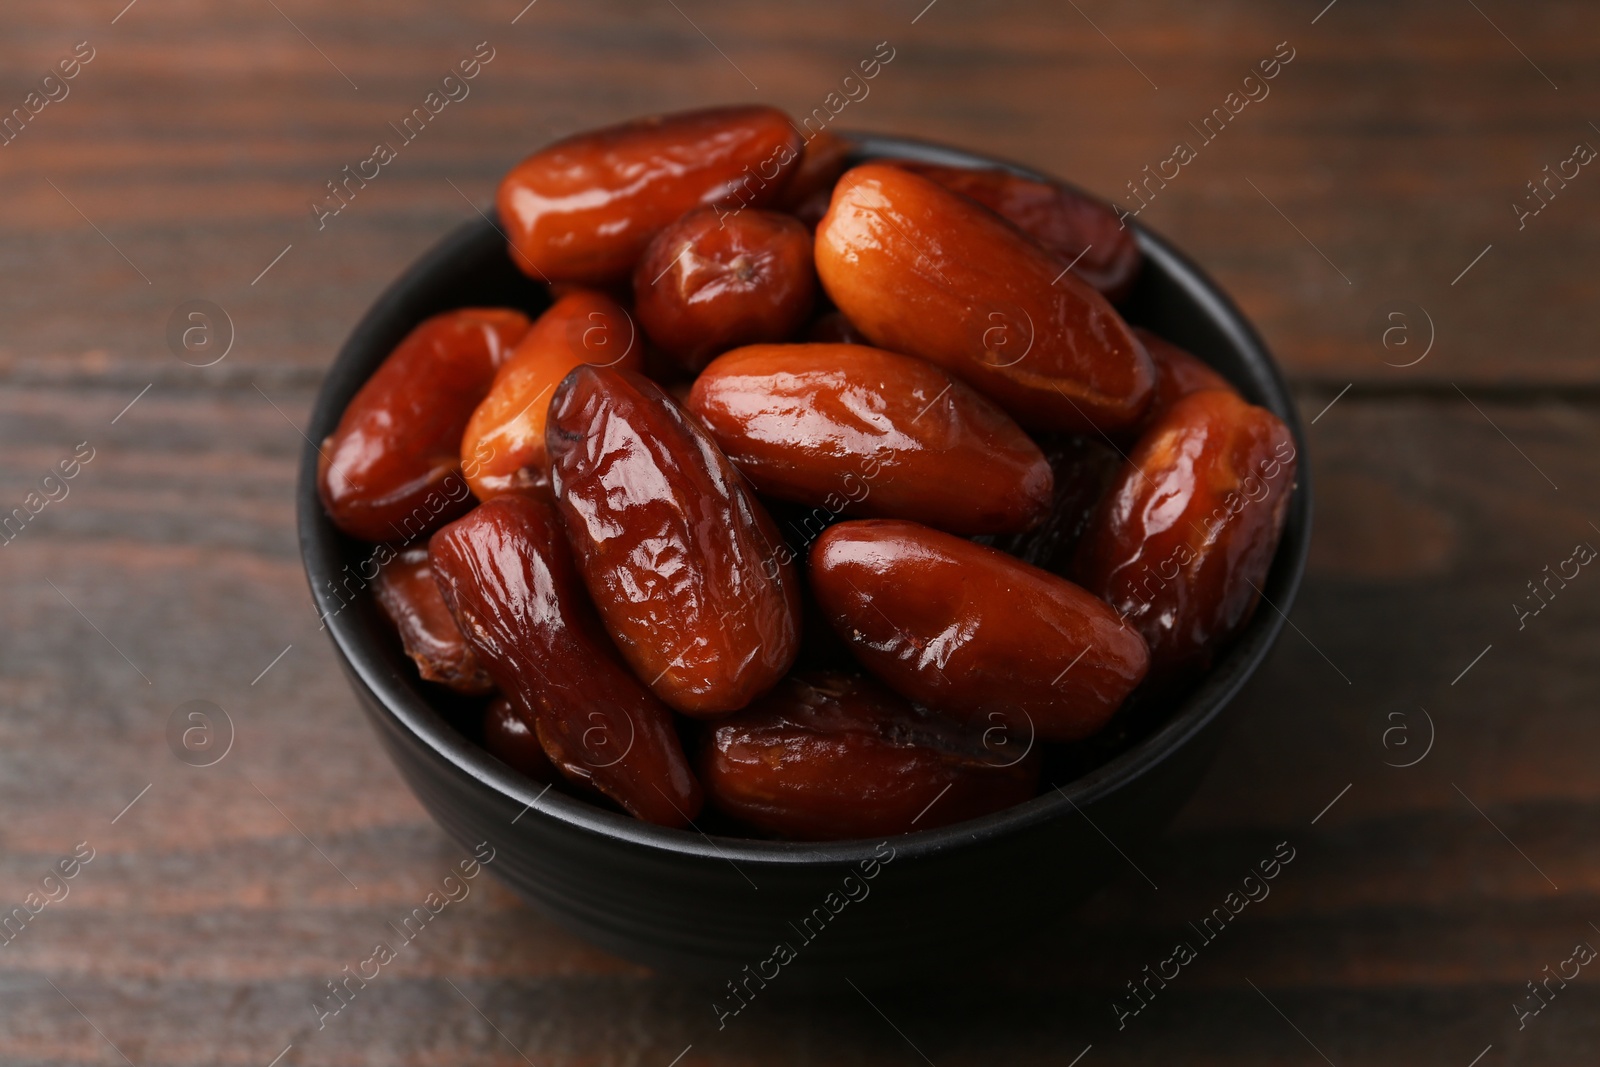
(695, 904)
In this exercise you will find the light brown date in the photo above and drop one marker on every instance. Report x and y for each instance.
(510, 739)
(833, 756)
(866, 432)
(408, 595)
(391, 470)
(924, 271)
(583, 209)
(679, 557)
(1183, 541)
(707, 284)
(502, 449)
(973, 633)
(1178, 374)
(507, 575)
(1077, 228)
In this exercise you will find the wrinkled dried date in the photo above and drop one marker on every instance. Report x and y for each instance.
(1185, 537)
(408, 595)
(503, 450)
(974, 633)
(707, 284)
(391, 470)
(832, 756)
(867, 432)
(583, 209)
(679, 557)
(1079, 229)
(507, 574)
(921, 270)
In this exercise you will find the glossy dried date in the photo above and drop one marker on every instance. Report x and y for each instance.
(679, 557)
(974, 633)
(583, 209)
(391, 470)
(706, 285)
(1077, 228)
(408, 595)
(502, 450)
(921, 270)
(862, 431)
(833, 756)
(1184, 539)
(507, 574)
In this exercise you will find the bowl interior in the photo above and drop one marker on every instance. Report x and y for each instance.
(471, 268)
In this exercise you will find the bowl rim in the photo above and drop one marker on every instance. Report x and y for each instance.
(407, 708)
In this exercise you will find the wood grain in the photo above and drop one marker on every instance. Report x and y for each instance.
(216, 906)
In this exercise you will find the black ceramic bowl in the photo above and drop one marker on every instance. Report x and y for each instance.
(712, 905)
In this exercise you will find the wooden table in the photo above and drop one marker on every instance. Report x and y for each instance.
(1375, 180)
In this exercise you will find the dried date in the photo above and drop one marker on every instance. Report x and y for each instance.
(680, 559)
(507, 575)
(831, 756)
(973, 633)
(391, 470)
(866, 432)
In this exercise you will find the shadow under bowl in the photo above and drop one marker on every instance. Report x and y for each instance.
(708, 906)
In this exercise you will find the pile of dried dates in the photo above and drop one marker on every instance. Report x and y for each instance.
(828, 497)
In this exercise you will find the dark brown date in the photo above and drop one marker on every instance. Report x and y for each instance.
(408, 595)
(1083, 468)
(866, 432)
(707, 284)
(678, 556)
(508, 577)
(1186, 535)
(510, 739)
(833, 756)
(583, 209)
(502, 449)
(1077, 228)
(824, 158)
(924, 271)
(974, 633)
(391, 470)
(832, 328)
(1178, 374)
